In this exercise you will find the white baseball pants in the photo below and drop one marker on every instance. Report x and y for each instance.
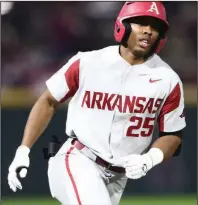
(74, 179)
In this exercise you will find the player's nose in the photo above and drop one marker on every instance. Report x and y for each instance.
(147, 29)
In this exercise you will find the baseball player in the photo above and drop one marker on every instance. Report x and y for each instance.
(119, 94)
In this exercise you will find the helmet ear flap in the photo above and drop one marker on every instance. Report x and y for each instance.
(127, 33)
(161, 44)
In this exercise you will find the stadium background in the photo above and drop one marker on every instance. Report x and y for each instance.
(37, 38)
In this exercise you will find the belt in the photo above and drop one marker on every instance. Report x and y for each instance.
(98, 159)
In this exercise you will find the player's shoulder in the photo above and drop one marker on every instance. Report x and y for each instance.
(165, 69)
(89, 58)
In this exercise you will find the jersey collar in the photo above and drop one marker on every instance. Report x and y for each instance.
(148, 63)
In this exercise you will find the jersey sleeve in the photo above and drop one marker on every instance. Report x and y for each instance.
(171, 117)
(64, 83)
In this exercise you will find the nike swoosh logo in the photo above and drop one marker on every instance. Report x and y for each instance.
(153, 81)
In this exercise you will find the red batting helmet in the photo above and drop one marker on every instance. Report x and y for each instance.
(136, 9)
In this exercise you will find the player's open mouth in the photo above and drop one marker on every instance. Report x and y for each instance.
(144, 43)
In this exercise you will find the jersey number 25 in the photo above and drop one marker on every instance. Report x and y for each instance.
(142, 127)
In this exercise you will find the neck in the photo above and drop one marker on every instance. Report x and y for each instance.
(130, 57)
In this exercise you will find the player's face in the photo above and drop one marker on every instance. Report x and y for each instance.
(145, 32)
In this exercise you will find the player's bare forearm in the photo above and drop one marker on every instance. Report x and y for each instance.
(168, 144)
(39, 117)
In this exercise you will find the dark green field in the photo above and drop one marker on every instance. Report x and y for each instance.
(135, 200)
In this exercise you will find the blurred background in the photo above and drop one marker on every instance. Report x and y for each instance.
(37, 38)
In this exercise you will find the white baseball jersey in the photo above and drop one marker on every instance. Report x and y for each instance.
(115, 106)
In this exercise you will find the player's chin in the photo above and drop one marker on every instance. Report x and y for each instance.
(139, 51)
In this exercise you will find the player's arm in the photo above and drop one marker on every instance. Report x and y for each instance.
(171, 122)
(39, 117)
(169, 143)
(60, 87)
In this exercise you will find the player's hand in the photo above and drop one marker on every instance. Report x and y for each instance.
(18, 167)
(136, 165)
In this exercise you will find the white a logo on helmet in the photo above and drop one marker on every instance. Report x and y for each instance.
(153, 8)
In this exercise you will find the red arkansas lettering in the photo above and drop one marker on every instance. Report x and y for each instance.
(118, 103)
(149, 105)
(107, 101)
(86, 99)
(129, 104)
(124, 104)
(97, 97)
(158, 103)
(139, 104)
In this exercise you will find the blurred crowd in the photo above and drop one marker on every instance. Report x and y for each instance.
(39, 37)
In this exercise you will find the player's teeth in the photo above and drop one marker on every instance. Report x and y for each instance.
(144, 43)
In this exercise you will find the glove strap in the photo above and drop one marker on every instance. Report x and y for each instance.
(156, 156)
(24, 150)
